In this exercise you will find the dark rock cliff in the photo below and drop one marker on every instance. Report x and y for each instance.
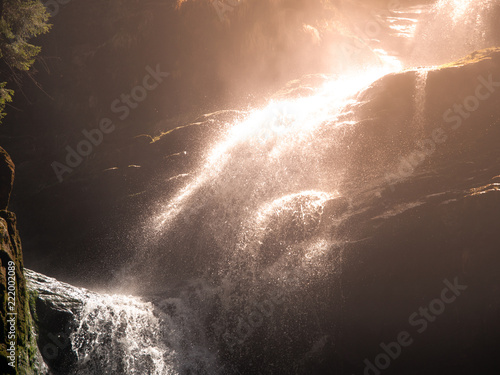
(18, 347)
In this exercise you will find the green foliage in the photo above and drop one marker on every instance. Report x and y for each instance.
(20, 20)
(33, 296)
(474, 57)
(5, 97)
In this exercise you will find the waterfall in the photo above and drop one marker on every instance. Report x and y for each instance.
(120, 334)
(451, 29)
(276, 157)
(420, 97)
(248, 255)
(264, 141)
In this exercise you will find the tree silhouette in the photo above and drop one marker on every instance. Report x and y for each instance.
(20, 20)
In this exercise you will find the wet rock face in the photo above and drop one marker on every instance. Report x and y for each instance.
(18, 349)
(57, 308)
(456, 116)
(17, 332)
(18, 346)
(7, 262)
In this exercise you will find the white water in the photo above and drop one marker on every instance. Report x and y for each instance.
(120, 334)
(266, 139)
(451, 29)
(264, 186)
(420, 98)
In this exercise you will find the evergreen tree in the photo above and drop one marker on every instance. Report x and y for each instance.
(20, 20)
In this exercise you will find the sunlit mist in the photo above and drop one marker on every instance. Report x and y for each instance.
(290, 118)
(296, 187)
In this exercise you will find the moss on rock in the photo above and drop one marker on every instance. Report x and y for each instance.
(13, 291)
(474, 57)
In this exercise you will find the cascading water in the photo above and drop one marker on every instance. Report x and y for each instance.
(119, 334)
(231, 264)
(420, 84)
(451, 29)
